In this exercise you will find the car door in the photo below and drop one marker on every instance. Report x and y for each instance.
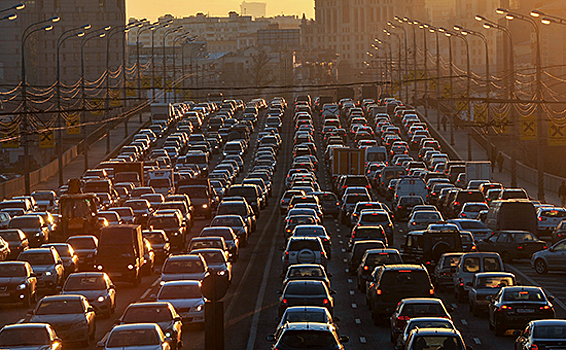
(557, 257)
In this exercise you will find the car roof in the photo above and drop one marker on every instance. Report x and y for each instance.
(381, 250)
(184, 257)
(133, 326)
(421, 301)
(437, 331)
(87, 274)
(403, 267)
(311, 266)
(314, 326)
(26, 325)
(183, 282)
(494, 274)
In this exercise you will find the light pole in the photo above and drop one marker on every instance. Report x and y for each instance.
(25, 35)
(85, 39)
(399, 60)
(71, 33)
(388, 63)
(182, 36)
(413, 24)
(425, 27)
(167, 32)
(511, 94)
(138, 24)
(139, 32)
(434, 30)
(10, 17)
(449, 35)
(165, 25)
(398, 19)
(468, 68)
(16, 7)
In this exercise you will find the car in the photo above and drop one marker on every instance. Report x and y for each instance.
(29, 336)
(303, 250)
(34, 227)
(71, 316)
(549, 219)
(371, 259)
(471, 210)
(17, 242)
(4, 249)
(86, 248)
(512, 244)
(470, 264)
(96, 287)
(422, 323)
(315, 231)
(67, 254)
(47, 265)
(227, 234)
(18, 283)
(357, 252)
(159, 243)
(296, 314)
(217, 260)
(184, 267)
(172, 224)
(307, 272)
(435, 338)
(309, 335)
(485, 285)
(187, 299)
(405, 204)
(241, 208)
(415, 307)
(389, 284)
(147, 336)
(442, 274)
(541, 334)
(236, 222)
(162, 313)
(476, 227)
(295, 220)
(420, 220)
(306, 293)
(550, 259)
(504, 307)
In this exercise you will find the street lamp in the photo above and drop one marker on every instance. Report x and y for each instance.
(167, 32)
(449, 35)
(10, 17)
(71, 33)
(425, 27)
(158, 26)
(388, 33)
(434, 30)
(16, 7)
(540, 121)
(85, 39)
(388, 63)
(139, 32)
(511, 92)
(182, 36)
(547, 19)
(25, 130)
(413, 23)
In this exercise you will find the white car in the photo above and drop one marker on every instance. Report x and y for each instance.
(187, 299)
(420, 220)
(137, 336)
(471, 210)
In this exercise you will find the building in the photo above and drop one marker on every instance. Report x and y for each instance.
(348, 28)
(254, 9)
(441, 12)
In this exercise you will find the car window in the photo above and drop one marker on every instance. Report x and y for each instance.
(43, 258)
(147, 314)
(305, 288)
(24, 337)
(180, 292)
(12, 270)
(422, 310)
(550, 332)
(305, 272)
(491, 264)
(85, 283)
(308, 339)
(494, 282)
(560, 247)
(523, 295)
(305, 316)
(451, 261)
(59, 307)
(133, 337)
(471, 265)
(183, 266)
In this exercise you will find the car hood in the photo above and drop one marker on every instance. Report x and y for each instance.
(4, 281)
(182, 276)
(41, 268)
(183, 303)
(55, 320)
(89, 294)
(85, 251)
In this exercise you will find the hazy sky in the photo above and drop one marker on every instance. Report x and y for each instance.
(152, 9)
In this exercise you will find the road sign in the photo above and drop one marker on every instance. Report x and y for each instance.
(97, 104)
(446, 90)
(73, 121)
(528, 128)
(556, 135)
(502, 124)
(115, 96)
(46, 139)
(480, 113)
(10, 130)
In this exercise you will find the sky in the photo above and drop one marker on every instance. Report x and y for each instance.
(152, 9)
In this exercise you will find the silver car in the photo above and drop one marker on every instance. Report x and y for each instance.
(487, 284)
(187, 299)
(420, 220)
(146, 336)
(551, 259)
(184, 267)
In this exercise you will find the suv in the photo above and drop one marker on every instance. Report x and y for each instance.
(303, 250)
(405, 205)
(468, 266)
(391, 283)
(306, 335)
(18, 282)
(48, 267)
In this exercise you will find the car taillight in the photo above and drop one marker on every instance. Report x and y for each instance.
(520, 247)
(344, 186)
(505, 307)
(546, 307)
(399, 206)
(403, 318)
(378, 292)
(366, 268)
(456, 203)
(325, 301)
(284, 301)
(368, 186)
(461, 280)
(533, 347)
(431, 291)
(414, 223)
(541, 218)
(287, 256)
(474, 247)
(544, 247)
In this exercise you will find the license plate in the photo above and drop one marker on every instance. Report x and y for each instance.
(525, 311)
(4, 294)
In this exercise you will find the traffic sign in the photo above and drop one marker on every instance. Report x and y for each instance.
(446, 90)
(10, 130)
(46, 139)
(556, 135)
(480, 113)
(528, 128)
(73, 121)
(503, 122)
(97, 104)
(214, 286)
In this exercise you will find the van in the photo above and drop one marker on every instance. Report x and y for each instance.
(121, 253)
(468, 266)
(513, 214)
(388, 173)
(413, 186)
(377, 154)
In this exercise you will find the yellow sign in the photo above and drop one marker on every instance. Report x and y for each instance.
(446, 90)
(556, 135)
(146, 82)
(73, 121)
(528, 128)
(46, 139)
(97, 106)
(115, 100)
(432, 84)
(480, 113)
(461, 106)
(131, 89)
(10, 131)
(502, 125)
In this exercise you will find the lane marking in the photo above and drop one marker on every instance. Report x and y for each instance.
(358, 321)
(455, 306)
(534, 283)
(345, 260)
(354, 306)
(337, 230)
(341, 242)
(349, 280)
(343, 250)
(362, 340)
(352, 292)
(347, 270)
(156, 282)
(144, 295)
(464, 322)
(477, 341)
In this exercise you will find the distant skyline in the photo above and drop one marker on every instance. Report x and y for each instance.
(151, 9)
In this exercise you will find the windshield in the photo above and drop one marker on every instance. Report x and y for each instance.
(123, 212)
(10, 235)
(437, 342)
(405, 277)
(212, 257)
(423, 310)
(523, 295)
(227, 222)
(59, 307)
(305, 272)
(232, 209)
(550, 332)
(147, 314)
(84, 283)
(43, 196)
(183, 266)
(154, 238)
(138, 205)
(160, 183)
(43, 258)
(305, 316)
(194, 191)
(206, 244)
(24, 336)
(305, 289)
(428, 324)
(186, 291)
(129, 338)
(308, 339)
(12, 270)
(164, 221)
(82, 243)
(24, 222)
(382, 259)
(495, 282)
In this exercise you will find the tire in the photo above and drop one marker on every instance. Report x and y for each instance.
(540, 266)
(439, 249)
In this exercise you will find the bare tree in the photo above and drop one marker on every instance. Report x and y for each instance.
(258, 70)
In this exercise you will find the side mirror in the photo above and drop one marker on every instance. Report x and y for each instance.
(517, 333)
(90, 309)
(332, 291)
(270, 338)
(344, 339)
(31, 312)
(111, 286)
(168, 340)
(468, 284)
(100, 344)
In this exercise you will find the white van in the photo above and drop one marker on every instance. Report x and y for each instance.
(376, 154)
(411, 186)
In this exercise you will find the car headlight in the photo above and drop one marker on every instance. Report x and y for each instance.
(99, 267)
(168, 334)
(199, 307)
(48, 273)
(221, 273)
(130, 267)
(21, 286)
(205, 206)
(39, 234)
(101, 299)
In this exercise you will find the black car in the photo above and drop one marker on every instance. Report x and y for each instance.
(358, 250)
(17, 282)
(512, 244)
(309, 335)
(17, 242)
(405, 204)
(514, 307)
(371, 259)
(86, 248)
(542, 334)
(306, 293)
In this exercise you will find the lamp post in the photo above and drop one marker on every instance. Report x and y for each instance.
(399, 60)
(138, 24)
(425, 27)
(511, 93)
(12, 16)
(164, 25)
(167, 32)
(413, 24)
(540, 121)
(32, 28)
(388, 63)
(71, 33)
(468, 68)
(139, 32)
(182, 36)
(85, 39)
(449, 35)
(434, 30)
(398, 19)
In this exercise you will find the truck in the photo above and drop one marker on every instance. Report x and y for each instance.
(162, 181)
(348, 161)
(78, 217)
(161, 113)
(129, 172)
(478, 170)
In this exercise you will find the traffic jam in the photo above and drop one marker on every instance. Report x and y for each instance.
(333, 224)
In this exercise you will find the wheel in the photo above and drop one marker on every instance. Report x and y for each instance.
(540, 266)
